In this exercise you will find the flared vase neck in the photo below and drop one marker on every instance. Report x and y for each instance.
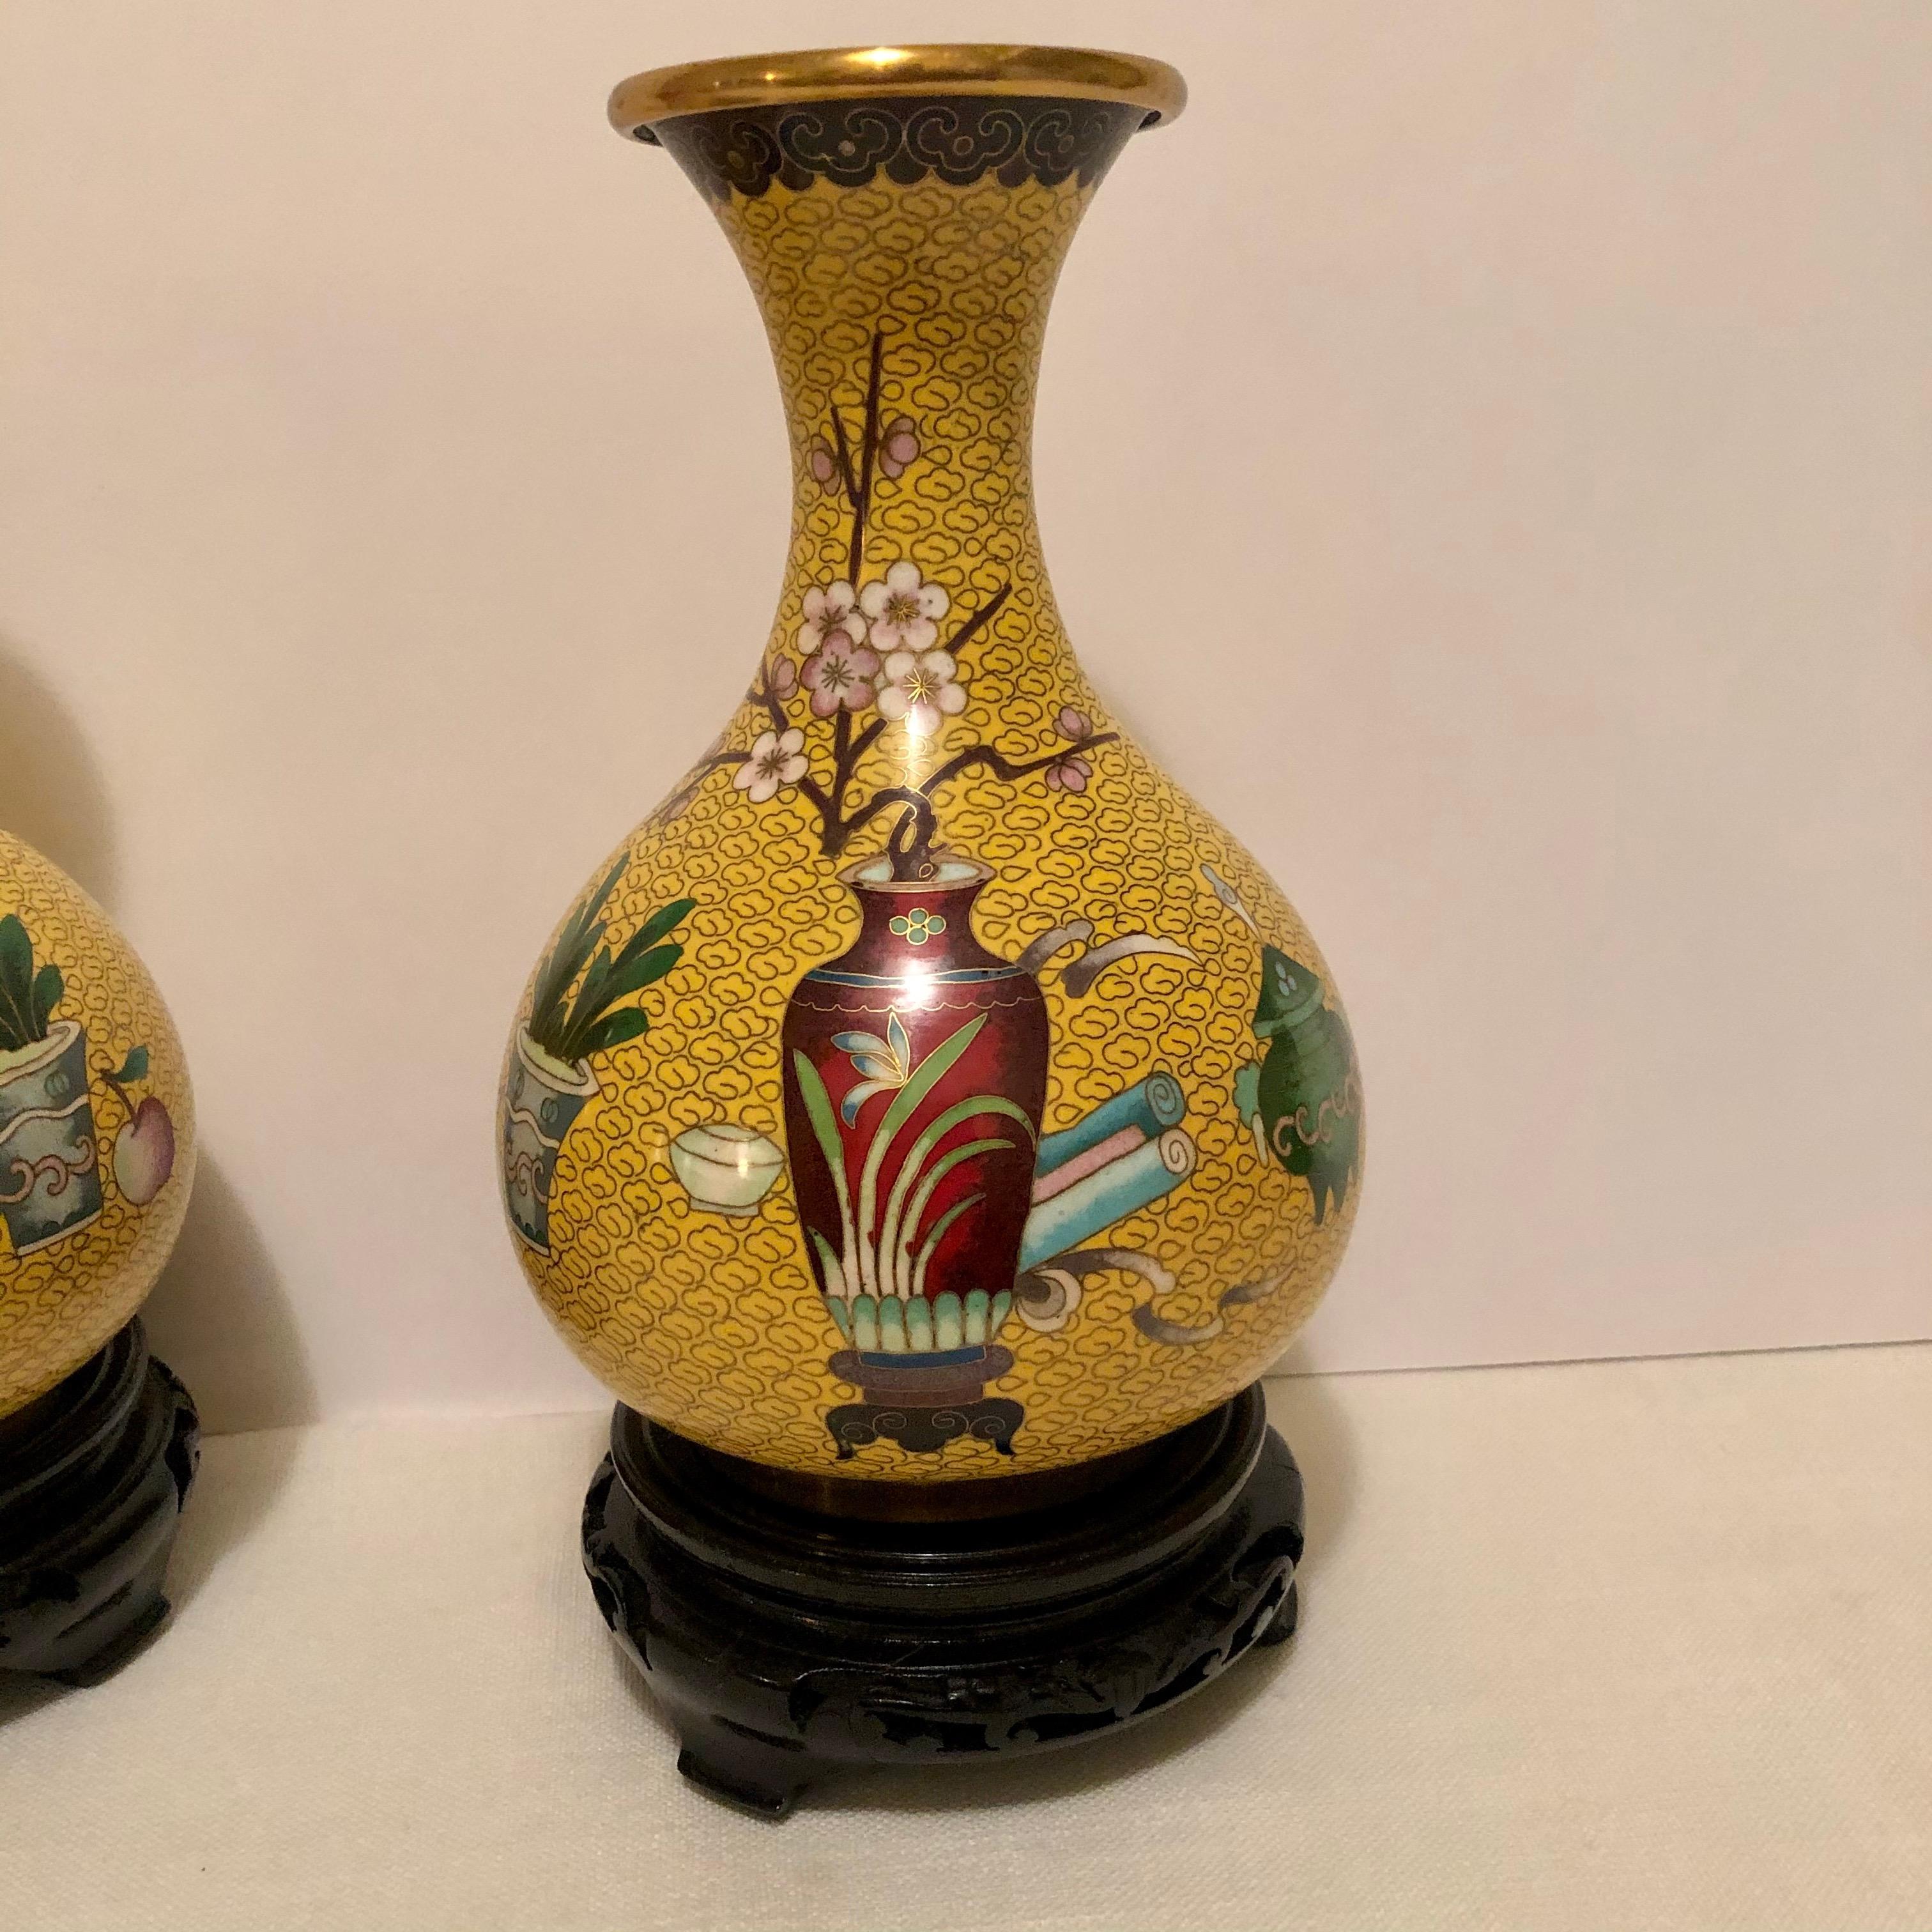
(903, 252)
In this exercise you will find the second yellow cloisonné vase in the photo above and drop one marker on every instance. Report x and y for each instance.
(98, 1440)
(928, 1091)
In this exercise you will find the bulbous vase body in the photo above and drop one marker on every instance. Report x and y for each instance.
(97, 1128)
(927, 1090)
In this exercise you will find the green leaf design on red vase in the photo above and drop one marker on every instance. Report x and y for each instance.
(886, 1254)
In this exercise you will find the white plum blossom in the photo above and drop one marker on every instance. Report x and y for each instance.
(829, 611)
(901, 608)
(777, 759)
(918, 687)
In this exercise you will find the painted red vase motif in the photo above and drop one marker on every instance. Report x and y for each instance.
(915, 1075)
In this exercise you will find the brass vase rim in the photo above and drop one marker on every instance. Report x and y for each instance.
(846, 73)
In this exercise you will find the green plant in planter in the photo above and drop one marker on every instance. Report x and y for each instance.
(27, 998)
(570, 1030)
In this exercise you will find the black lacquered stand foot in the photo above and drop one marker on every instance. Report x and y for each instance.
(92, 1478)
(786, 1642)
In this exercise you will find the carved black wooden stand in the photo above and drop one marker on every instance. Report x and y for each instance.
(92, 1478)
(786, 1642)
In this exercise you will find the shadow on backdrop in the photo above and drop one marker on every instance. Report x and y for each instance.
(52, 791)
(220, 1318)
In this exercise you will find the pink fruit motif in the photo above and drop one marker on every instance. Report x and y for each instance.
(144, 1152)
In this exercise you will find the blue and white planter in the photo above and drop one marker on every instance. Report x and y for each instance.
(49, 1155)
(542, 1098)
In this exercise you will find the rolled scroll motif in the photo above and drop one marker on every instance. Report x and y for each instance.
(959, 139)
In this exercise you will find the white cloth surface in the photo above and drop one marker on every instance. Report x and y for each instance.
(1631, 1644)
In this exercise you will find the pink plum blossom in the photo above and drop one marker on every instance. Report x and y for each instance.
(777, 758)
(820, 460)
(842, 672)
(919, 689)
(1074, 724)
(902, 608)
(1071, 774)
(782, 680)
(899, 445)
(830, 611)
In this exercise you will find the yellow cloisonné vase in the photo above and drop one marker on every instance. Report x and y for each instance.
(96, 1130)
(927, 1090)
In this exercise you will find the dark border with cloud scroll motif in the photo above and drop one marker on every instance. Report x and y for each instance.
(953, 138)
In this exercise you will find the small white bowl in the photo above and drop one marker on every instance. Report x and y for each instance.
(725, 1168)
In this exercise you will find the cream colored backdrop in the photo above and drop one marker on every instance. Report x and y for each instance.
(1485, 452)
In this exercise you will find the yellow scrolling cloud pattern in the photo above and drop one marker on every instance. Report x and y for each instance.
(713, 1325)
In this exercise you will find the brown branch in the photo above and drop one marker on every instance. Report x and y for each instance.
(808, 787)
(843, 451)
(861, 502)
(909, 854)
(680, 800)
(919, 803)
(839, 831)
(913, 858)
(847, 750)
(766, 696)
(811, 789)
(1001, 768)
(909, 845)
(841, 757)
(980, 619)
